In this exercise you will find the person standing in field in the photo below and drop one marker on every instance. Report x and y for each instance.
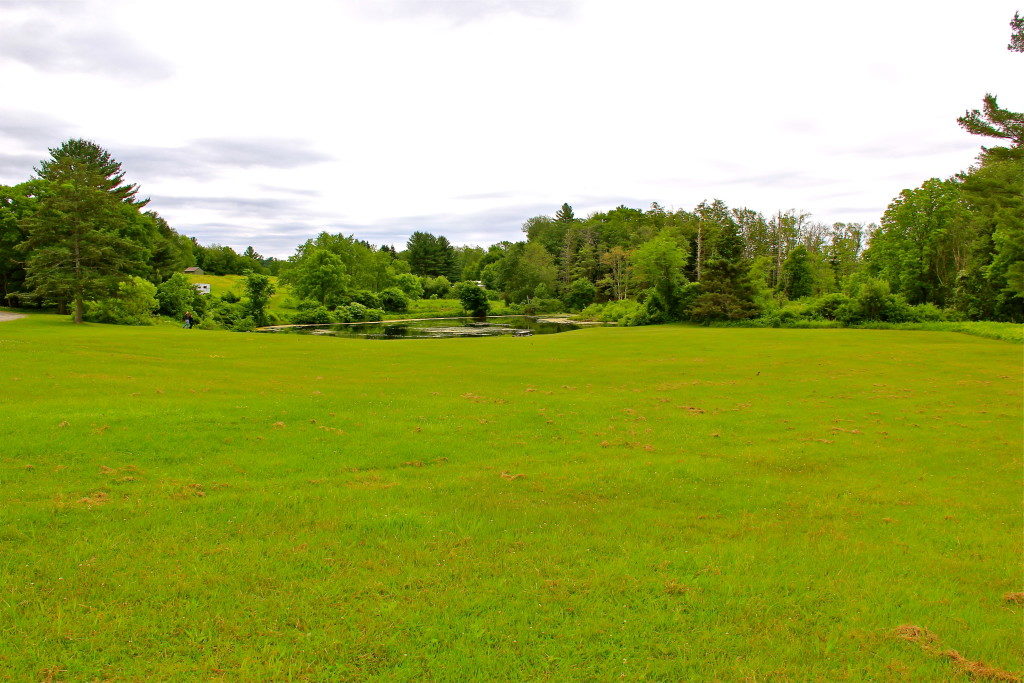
(188, 320)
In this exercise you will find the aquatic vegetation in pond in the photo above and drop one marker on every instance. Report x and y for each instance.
(438, 328)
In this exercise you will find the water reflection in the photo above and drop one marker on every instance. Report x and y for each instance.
(516, 326)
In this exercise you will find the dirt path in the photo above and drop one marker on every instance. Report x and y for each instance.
(4, 317)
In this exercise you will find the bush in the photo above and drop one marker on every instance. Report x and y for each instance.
(581, 294)
(366, 298)
(827, 306)
(244, 324)
(312, 316)
(393, 300)
(473, 299)
(133, 304)
(223, 313)
(437, 287)
(617, 312)
(353, 312)
(548, 305)
(926, 313)
(208, 323)
(717, 306)
(177, 296)
(411, 284)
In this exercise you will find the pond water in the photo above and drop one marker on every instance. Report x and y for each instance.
(438, 328)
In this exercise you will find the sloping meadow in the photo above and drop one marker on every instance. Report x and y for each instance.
(659, 502)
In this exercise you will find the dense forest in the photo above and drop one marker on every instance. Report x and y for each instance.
(77, 237)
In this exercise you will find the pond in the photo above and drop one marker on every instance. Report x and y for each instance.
(436, 328)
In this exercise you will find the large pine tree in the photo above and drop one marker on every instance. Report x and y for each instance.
(75, 249)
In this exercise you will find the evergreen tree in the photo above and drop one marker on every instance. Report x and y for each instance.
(431, 256)
(76, 248)
(83, 161)
(995, 122)
(565, 214)
(1017, 36)
(727, 293)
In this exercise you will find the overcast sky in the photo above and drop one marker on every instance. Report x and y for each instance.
(266, 123)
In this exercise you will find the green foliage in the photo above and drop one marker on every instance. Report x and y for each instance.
(411, 284)
(76, 248)
(355, 312)
(581, 294)
(177, 296)
(473, 299)
(83, 163)
(16, 204)
(366, 298)
(430, 255)
(317, 314)
(538, 306)
(393, 300)
(797, 276)
(217, 259)
(923, 242)
(519, 270)
(995, 122)
(318, 274)
(436, 287)
(133, 304)
(827, 306)
(726, 294)
(625, 312)
(258, 290)
(658, 265)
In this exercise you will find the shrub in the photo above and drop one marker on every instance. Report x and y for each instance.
(547, 305)
(177, 296)
(411, 284)
(826, 306)
(307, 305)
(354, 312)
(312, 316)
(581, 294)
(473, 299)
(133, 304)
(926, 313)
(366, 298)
(393, 300)
(714, 306)
(224, 313)
(438, 287)
(617, 312)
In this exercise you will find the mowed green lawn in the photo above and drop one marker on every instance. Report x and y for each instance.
(663, 502)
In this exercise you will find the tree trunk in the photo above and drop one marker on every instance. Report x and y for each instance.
(79, 309)
(700, 247)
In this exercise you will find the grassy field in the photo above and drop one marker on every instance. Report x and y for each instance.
(659, 503)
(221, 284)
